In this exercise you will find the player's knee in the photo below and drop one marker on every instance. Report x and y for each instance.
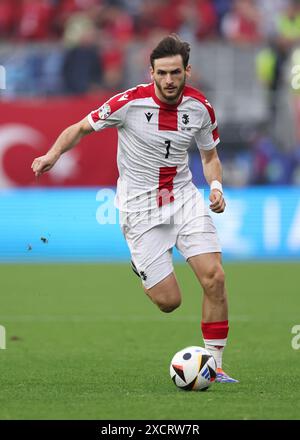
(214, 281)
(167, 305)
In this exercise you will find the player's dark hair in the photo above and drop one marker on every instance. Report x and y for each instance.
(171, 46)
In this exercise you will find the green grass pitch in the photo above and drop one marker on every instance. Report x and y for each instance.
(83, 342)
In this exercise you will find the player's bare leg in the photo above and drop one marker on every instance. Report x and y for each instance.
(165, 294)
(209, 271)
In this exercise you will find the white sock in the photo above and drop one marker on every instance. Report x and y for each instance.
(216, 348)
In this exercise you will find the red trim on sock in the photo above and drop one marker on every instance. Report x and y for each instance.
(215, 330)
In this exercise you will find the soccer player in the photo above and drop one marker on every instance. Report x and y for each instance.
(159, 205)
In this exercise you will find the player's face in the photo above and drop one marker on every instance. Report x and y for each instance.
(169, 76)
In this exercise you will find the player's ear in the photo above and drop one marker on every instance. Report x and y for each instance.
(188, 70)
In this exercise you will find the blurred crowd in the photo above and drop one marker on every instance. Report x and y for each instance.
(94, 34)
(242, 21)
(261, 161)
(253, 157)
(79, 46)
(128, 19)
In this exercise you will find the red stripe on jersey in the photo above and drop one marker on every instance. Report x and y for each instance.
(165, 187)
(167, 119)
(167, 116)
(121, 99)
(194, 93)
(215, 134)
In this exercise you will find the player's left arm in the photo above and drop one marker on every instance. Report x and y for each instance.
(212, 169)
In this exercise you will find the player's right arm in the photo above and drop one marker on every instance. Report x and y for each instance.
(70, 137)
(111, 114)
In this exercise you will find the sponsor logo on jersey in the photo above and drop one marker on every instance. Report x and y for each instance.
(148, 116)
(104, 111)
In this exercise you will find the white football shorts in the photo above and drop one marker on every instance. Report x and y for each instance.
(151, 239)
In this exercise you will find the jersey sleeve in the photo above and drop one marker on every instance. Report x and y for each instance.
(207, 137)
(111, 114)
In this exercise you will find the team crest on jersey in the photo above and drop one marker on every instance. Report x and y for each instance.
(185, 119)
(104, 111)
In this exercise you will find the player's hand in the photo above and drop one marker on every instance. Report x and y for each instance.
(43, 164)
(217, 201)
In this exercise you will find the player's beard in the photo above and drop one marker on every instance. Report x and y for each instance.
(174, 98)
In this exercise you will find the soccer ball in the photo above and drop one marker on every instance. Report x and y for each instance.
(193, 368)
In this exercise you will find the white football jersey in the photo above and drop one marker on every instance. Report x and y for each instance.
(153, 143)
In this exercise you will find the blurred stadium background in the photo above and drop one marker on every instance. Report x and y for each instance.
(60, 59)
